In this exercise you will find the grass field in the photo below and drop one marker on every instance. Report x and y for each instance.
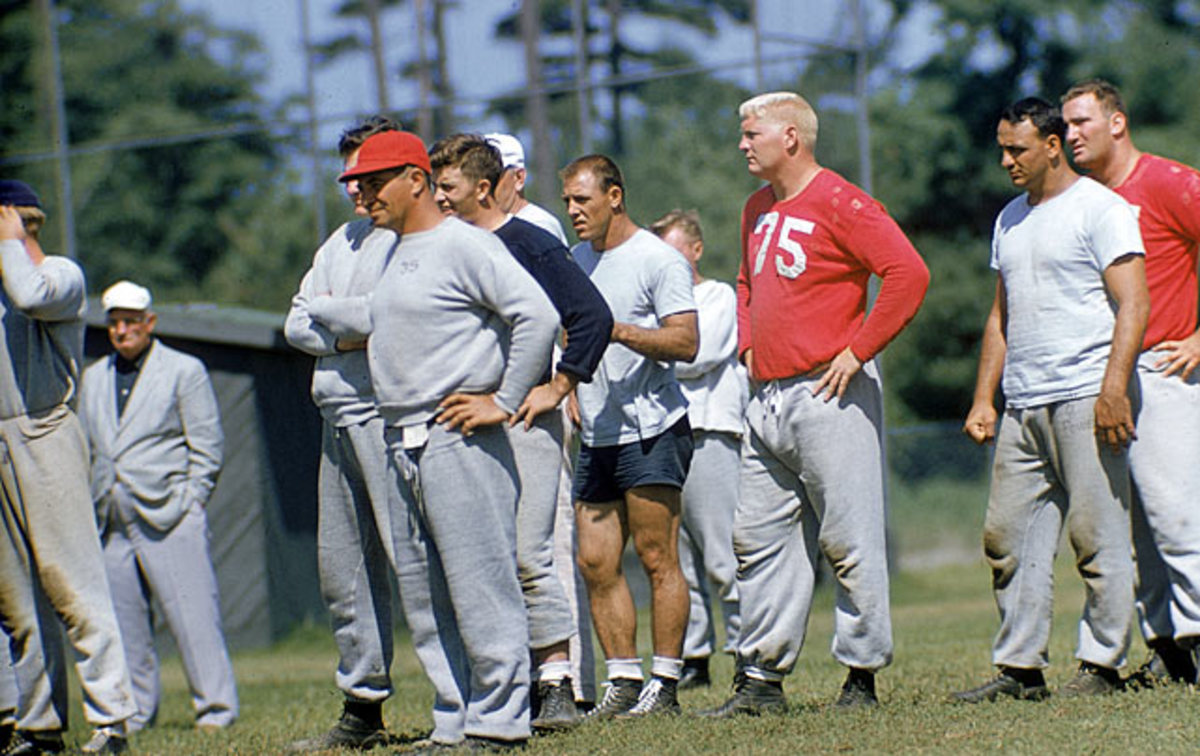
(943, 622)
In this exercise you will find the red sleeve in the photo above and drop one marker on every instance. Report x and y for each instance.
(1183, 202)
(877, 242)
(743, 286)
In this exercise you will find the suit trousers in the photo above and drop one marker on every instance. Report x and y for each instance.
(1050, 470)
(1164, 465)
(50, 533)
(812, 483)
(354, 557)
(454, 503)
(710, 498)
(174, 567)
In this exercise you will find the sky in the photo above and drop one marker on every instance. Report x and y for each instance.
(486, 66)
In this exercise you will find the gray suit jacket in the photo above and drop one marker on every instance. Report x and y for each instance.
(166, 448)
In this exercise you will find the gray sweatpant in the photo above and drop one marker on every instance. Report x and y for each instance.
(176, 568)
(710, 497)
(812, 478)
(47, 704)
(583, 654)
(1049, 469)
(538, 453)
(354, 557)
(453, 507)
(50, 530)
(1164, 464)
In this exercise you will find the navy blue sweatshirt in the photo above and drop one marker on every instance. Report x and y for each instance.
(581, 308)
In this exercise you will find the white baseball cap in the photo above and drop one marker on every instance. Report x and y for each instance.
(126, 295)
(511, 152)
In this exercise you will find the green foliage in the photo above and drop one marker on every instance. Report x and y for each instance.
(687, 157)
(936, 164)
(182, 91)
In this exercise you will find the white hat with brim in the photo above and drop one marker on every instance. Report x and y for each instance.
(126, 295)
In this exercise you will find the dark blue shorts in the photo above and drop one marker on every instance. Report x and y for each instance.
(605, 473)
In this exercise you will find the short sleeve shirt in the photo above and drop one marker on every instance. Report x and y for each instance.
(1052, 257)
(632, 397)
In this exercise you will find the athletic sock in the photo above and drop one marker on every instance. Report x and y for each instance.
(666, 667)
(625, 669)
(553, 672)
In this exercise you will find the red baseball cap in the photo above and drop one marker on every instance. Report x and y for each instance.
(390, 149)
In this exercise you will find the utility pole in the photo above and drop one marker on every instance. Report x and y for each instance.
(314, 157)
(58, 126)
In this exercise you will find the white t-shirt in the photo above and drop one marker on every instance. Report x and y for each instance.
(1052, 257)
(543, 219)
(715, 383)
(632, 397)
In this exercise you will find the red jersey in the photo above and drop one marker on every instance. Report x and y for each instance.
(1166, 197)
(806, 263)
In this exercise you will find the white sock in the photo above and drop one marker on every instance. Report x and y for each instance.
(627, 669)
(555, 671)
(666, 667)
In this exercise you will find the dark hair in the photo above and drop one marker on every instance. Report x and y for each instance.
(353, 137)
(476, 157)
(1105, 92)
(602, 167)
(1046, 118)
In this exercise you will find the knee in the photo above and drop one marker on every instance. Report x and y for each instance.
(597, 567)
(658, 559)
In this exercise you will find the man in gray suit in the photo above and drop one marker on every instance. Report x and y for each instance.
(155, 436)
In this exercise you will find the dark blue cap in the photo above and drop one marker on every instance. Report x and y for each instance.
(18, 194)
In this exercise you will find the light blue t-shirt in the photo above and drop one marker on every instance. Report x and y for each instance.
(632, 397)
(1052, 257)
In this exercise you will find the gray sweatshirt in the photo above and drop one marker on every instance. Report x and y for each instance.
(334, 302)
(454, 311)
(42, 309)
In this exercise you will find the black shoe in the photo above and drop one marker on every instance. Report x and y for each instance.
(360, 727)
(1032, 687)
(34, 743)
(858, 690)
(557, 706)
(1091, 680)
(751, 697)
(7, 731)
(621, 696)
(1169, 662)
(658, 697)
(695, 674)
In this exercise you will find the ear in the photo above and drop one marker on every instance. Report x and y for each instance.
(1053, 145)
(791, 137)
(519, 178)
(151, 321)
(698, 246)
(1117, 124)
(616, 195)
(483, 190)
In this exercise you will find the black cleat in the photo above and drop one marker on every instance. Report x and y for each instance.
(657, 697)
(1006, 685)
(556, 710)
(34, 743)
(1091, 680)
(695, 674)
(751, 697)
(858, 691)
(360, 727)
(620, 696)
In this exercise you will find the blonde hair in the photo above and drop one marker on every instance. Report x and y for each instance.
(787, 108)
